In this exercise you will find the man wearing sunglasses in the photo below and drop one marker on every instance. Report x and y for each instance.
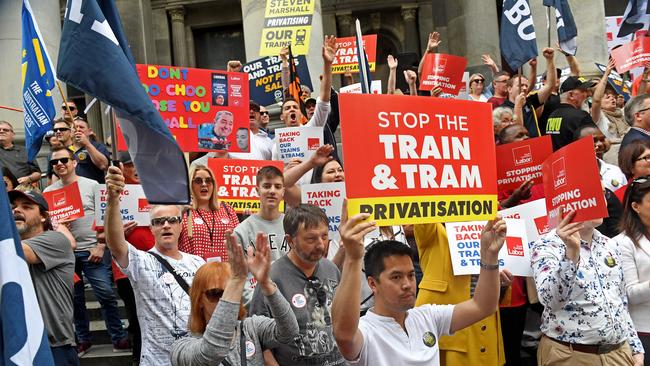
(92, 258)
(72, 107)
(163, 304)
(307, 280)
(14, 157)
(265, 118)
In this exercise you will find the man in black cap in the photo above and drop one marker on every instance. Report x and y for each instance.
(569, 116)
(51, 265)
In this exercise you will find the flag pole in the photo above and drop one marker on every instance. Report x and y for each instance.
(65, 100)
(114, 160)
(548, 25)
(11, 108)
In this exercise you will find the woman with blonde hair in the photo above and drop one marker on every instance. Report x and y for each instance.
(221, 332)
(477, 87)
(205, 223)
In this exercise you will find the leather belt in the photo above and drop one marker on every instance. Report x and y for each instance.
(597, 349)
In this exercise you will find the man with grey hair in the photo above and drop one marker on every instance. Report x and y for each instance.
(569, 116)
(14, 157)
(161, 277)
(638, 116)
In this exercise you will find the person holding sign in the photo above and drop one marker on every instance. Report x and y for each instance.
(378, 338)
(205, 224)
(581, 283)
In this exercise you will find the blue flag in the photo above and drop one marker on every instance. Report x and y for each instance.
(635, 18)
(94, 57)
(38, 81)
(567, 32)
(518, 39)
(23, 338)
(362, 59)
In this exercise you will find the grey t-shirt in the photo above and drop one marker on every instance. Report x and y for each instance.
(246, 233)
(53, 281)
(82, 228)
(311, 302)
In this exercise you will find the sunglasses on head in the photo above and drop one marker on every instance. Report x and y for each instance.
(317, 286)
(199, 180)
(160, 221)
(214, 294)
(63, 161)
(60, 129)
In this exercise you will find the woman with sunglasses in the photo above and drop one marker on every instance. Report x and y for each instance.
(205, 223)
(634, 243)
(222, 334)
(634, 161)
(476, 88)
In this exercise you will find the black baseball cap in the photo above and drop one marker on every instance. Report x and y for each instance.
(558, 72)
(575, 82)
(254, 106)
(33, 196)
(310, 100)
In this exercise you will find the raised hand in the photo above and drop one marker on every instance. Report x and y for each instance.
(533, 62)
(236, 258)
(329, 49)
(114, 181)
(610, 66)
(392, 62)
(284, 53)
(234, 66)
(548, 53)
(493, 236)
(410, 76)
(436, 91)
(569, 232)
(433, 42)
(259, 259)
(487, 60)
(322, 155)
(352, 232)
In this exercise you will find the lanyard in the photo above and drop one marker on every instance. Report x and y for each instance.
(210, 229)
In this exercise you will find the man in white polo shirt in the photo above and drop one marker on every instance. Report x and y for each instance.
(393, 332)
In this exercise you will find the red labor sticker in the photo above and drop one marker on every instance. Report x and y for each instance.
(515, 246)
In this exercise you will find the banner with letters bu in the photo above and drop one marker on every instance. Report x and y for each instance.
(518, 44)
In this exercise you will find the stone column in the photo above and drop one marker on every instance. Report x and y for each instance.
(411, 40)
(472, 30)
(137, 22)
(425, 23)
(253, 19)
(346, 25)
(178, 36)
(191, 52)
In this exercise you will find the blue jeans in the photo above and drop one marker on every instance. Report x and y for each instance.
(65, 356)
(99, 276)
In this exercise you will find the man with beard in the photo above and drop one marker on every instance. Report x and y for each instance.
(307, 280)
(51, 265)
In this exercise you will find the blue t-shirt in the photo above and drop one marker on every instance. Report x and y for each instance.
(86, 167)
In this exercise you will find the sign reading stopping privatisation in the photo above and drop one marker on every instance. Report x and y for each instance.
(287, 22)
(445, 71)
(65, 203)
(522, 160)
(572, 183)
(418, 159)
(631, 55)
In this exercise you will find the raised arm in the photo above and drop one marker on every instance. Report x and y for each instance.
(599, 92)
(411, 78)
(486, 295)
(392, 74)
(346, 307)
(532, 72)
(329, 52)
(292, 193)
(432, 47)
(574, 66)
(488, 61)
(551, 75)
(113, 218)
(285, 74)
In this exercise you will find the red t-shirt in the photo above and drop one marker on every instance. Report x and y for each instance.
(208, 232)
(141, 238)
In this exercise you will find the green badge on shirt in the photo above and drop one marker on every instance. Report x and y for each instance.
(610, 261)
(429, 339)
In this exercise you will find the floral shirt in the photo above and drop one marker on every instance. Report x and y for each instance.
(584, 303)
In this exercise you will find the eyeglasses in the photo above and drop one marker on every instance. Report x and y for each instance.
(63, 161)
(72, 108)
(264, 113)
(160, 221)
(214, 294)
(6, 130)
(643, 110)
(313, 283)
(478, 81)
(645, 158)
(60, 129)
(198, 180)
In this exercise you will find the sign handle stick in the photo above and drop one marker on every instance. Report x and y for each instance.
(65, 100)
(548, 25)
(114, 160)
(521, 73)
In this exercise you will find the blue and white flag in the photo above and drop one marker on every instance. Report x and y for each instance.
(518, 39)
(23, 338)
(38, 81)
(364, 66)
(635, 18)
(567, 32)
(94, 57)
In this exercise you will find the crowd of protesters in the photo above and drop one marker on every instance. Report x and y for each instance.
(204, 285)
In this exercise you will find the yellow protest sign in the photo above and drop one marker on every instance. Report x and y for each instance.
(287, 22)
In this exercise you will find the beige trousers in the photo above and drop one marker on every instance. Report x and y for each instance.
(551, 353)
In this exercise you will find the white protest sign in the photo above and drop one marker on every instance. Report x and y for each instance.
(329, 197)
(133, 205)
(533, 214)
(298, 142)
(465, 248)
(375, 88)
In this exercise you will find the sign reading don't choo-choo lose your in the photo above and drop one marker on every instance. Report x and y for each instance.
(418, 159)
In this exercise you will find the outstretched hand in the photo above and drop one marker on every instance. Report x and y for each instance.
(259, 259)
(493, 236)
(329, 49)
(322, 155)
(236, 257)
(569, 232)
(410, 76)
(114, 181)
(433, 42)
(392, 62)
(353, 230)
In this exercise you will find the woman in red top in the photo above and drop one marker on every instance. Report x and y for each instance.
(634, 161)
(205, 224)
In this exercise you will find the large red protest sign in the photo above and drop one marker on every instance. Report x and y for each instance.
(202, 108)
(445, 71)
(572, 183)
(347, 57)
(631, 55)
(236, 181)
(65, 203)
(411, 160)
(520, 161)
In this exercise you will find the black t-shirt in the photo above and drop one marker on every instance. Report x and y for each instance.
(552, 103)
(563, 122)
(530, 119)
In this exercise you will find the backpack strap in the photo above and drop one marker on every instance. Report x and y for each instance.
(181, 282)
